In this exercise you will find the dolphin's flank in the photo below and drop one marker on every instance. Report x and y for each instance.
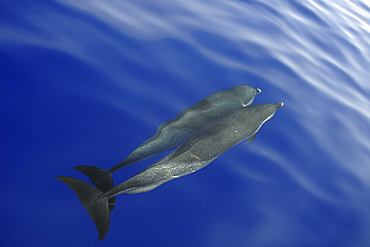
(196, 152)
(171, 133)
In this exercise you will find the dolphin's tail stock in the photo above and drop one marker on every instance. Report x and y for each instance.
(102, 179)
(97, 207)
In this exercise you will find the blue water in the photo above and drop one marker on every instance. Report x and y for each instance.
(86, 82)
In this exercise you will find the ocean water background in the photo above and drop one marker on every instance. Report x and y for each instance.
(86, 82)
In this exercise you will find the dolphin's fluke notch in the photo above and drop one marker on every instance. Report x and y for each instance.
(97, 208)
(101, 178)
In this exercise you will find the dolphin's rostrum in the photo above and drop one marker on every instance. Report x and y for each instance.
(171, 133)
(196, 152)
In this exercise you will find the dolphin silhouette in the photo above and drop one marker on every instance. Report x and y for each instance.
(171, 133)
(196, 152)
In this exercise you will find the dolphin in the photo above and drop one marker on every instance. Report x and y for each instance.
(196, 152)
(171, 133)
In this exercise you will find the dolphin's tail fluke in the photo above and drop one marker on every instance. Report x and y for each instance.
(102, 179)
(97, 207)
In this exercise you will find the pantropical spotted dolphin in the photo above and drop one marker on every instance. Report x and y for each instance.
(196, 152)
(171, 133)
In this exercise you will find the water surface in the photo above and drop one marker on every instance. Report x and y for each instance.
(86, 82)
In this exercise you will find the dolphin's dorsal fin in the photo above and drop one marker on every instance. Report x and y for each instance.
(251, 138)
(203, 104)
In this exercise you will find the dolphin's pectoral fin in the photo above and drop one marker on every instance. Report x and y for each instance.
(203, 104)
(251, 138)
